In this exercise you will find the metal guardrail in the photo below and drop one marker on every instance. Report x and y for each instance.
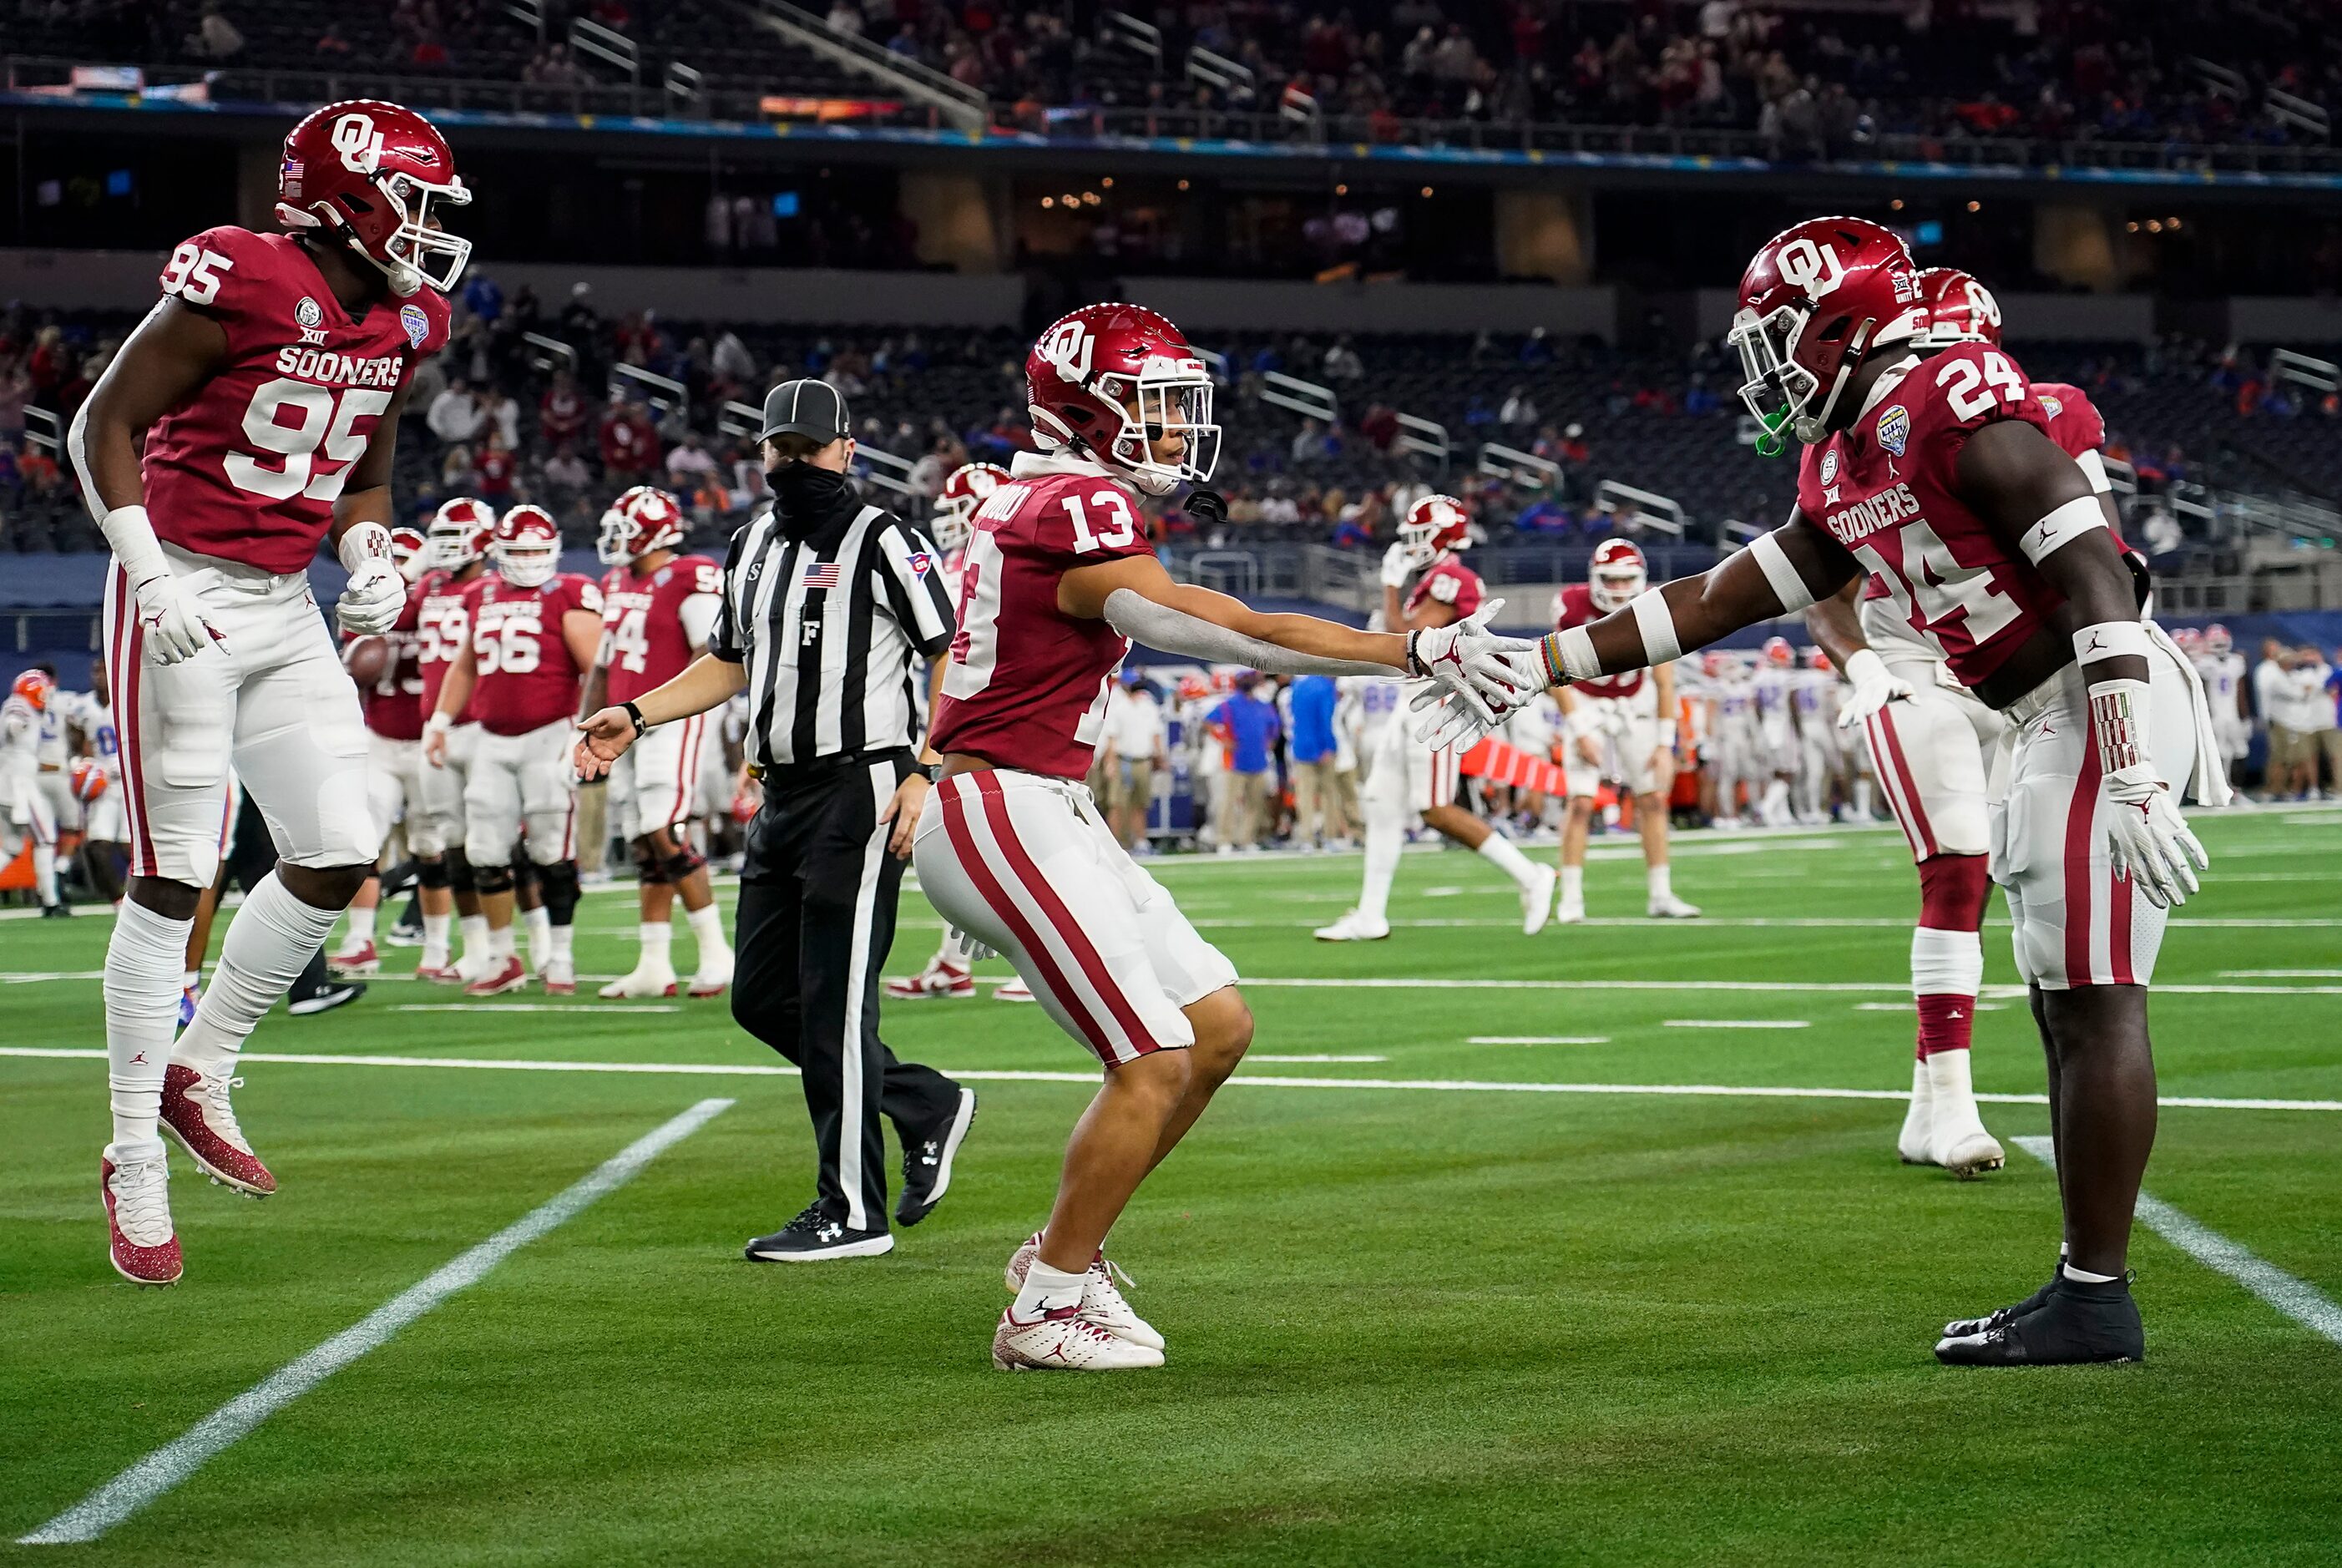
(1125, 31)
(952, 99)
(43, 429)
(1661, 511)
(2322, 374)
(1515, 466)
(549, 353)
(607, 45)
(661, 391)
(883, 468)
(740, 419)
(1303, 397)
(1425, 438)
(1215, 70)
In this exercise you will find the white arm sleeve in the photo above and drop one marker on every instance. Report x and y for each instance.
(1142, 620)
(698, 612)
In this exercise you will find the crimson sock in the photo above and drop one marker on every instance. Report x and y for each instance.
(1946, 951)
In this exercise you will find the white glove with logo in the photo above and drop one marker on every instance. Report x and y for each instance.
(172, 618)
(1874, 686)
(1396, 566)
(372, 602)
(1475, 680)
(2148, 841)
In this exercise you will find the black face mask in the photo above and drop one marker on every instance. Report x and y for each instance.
(804, 494)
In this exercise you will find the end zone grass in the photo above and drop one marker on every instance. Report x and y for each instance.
(1406, 1324)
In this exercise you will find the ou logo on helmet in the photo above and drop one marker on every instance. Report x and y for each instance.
(1068, 348)
(1981, 305)
(1814, 268)
(358, 142)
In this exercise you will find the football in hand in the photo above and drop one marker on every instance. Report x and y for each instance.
(366, 660)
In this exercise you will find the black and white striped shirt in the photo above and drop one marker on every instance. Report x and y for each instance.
(827, 627)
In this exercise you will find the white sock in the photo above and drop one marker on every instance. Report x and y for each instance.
(361, 930)
(1659, 882)
(269, 942)
(539, 924)
(437, 931)
(707, 929)
(1862, 799)
(142, 988)
(1048, 1290)
(1573, 884)
(560, 937)
(2084, 1276)
(476, 939)
(1385, 839)
(657, 938)
(1949, 1082)
(45, 873)
(500, 944)
(1497, 850)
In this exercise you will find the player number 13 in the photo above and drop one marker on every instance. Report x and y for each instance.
(1117, 536)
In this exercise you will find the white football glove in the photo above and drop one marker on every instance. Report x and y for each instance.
(372, 600)
(2148, 841)
(172, 618)
(1467, 658)
(1874, 686)
(1396, 566)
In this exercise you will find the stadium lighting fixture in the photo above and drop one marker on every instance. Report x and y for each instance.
(1896, 205)
(1052, 201)
(1107, 182)
(2132, 226)
(1182, 185)
(1341, 190)
(1976, 207)
(1426, 191)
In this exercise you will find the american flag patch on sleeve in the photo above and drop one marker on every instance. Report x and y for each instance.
(823, 575)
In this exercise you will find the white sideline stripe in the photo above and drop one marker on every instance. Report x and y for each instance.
(1538, 1040)
(602, 1007)
(2281, 973)
(175, 1460)
(1735, 1023)
(2302, 1301)
(1002, 1075)
(1257, 1057)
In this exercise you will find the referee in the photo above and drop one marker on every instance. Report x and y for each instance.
(827, 603)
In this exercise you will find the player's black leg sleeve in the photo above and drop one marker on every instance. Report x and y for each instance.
(649, 870)
(681, 863)
(432, 874)
(492, 878)
(559, 882)
(459, 872)
(97, 868)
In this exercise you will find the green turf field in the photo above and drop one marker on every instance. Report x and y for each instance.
(1416, 1311)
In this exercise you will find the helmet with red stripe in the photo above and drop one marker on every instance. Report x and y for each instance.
(964, 491)
(1434, 525)
(1818, 660)
(1120, 383)
(528, 546)
(1959, 310)
(36, 686)
(1815, 301)
(370, 173)
(2216, 638)
(461, 532)
(1779, 653)
(1618, 574)
(645, 519)
(410, 551)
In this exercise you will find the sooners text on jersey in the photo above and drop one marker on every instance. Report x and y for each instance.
(642, 618)
(394, 704)
(1450, 583)
(1026, 684)
(248, 469)
(1886, 489)
(527, 678)
(1577, 609)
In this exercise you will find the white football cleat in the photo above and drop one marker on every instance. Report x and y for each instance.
(714, 973)
(937, 980)
(1065, 1341)
(1103, 1303)
(135, 1187)
(1354, 927)
(500, 981)
(1537, 899)
(1957, 1139)
(1013, 989)
(647, 980)
(1570, 912)
(355, 958)
(1671, 908)
(560, 976)
(1916, 1142)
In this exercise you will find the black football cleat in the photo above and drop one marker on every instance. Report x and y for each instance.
(2079, 1323)
(814, 1236)
(2001, 1317)
(326, 998)
(56, 912)
(927, 1162)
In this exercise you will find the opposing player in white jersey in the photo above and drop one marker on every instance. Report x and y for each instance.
(1622, 729)
(1821, 761)
(1407, 782)
(2222, 669)
(25, 806)
(1777, 729)
(1739, 759)
(95, 774)
(251, 415)
(951, 972)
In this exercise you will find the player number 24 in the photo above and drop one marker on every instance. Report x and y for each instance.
(1970, 389)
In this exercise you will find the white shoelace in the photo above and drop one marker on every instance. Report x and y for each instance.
(141, 1201)
(214, 1091)
(1110, 1301)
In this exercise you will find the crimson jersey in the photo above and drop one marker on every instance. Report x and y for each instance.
(2075, 423)
(1886, 489)
(394, 704)
(1026, 684)
(248, 469)
(643, 637)
(1451, 583)
(527, 678)
(443, 625)
(1577, 609)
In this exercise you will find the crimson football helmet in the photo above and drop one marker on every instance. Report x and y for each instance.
(528, 546)
(369, 174)
(36, 686)
(1779, 653)
(1959, 310)
(1815, 300)
(2216, 639)
(410, 551)
(644, 519)
(964, 491)
(461, 532)
(1618, 575)
(1432, 525)
(1112, 380)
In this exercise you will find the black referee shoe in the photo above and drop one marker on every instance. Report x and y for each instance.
(2080, 1322)
(813, 1236)
(927, 1162)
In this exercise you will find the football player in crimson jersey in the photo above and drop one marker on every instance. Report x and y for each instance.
(1939, 476)
(461, 534)
(390, 684)
(657, 607)
(1408, 781)
(250, 417)
(534, 630)
(1623, 729)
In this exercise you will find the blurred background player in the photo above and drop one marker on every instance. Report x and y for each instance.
(390, 684)
(95, 772)
(1409, 781)
(54, 775)
(1738, 763)
(24, 802)
(1623, 729)
(461, 534)
(2222, 669)
(534, 630)
(658, 606)
(1777, 729)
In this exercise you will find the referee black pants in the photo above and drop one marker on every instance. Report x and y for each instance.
(815, 921)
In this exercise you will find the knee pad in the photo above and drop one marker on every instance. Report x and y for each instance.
(459, 872)
(1952, 892)
(558, 882)
(681, 863)
(432, 874)
(524, 872)
(492, 879)
(649, 870)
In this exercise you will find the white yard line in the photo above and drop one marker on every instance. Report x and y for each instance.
(2302, 1301)
(1538, 1040)
(1258, 1080)
(1256, 1056)
(607, 1009)
(1735, 1024)
(175, 1460)
(2281, 973)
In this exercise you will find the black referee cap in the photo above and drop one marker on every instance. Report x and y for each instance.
(803, 408)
